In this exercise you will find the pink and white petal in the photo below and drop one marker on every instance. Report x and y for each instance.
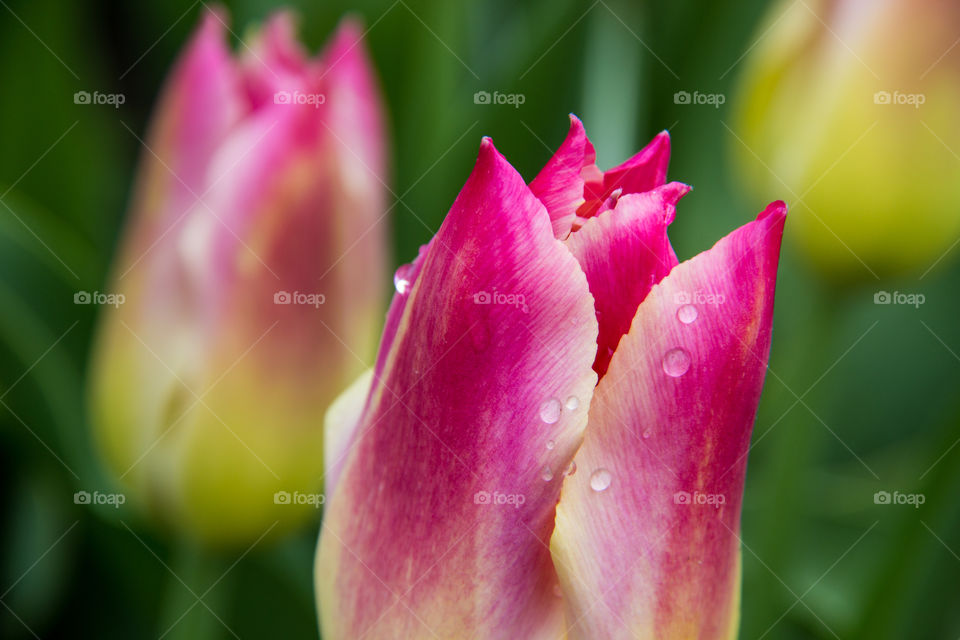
(624, 252)
(340, 427)
(440, 520)
(560, 184)
(646, 170)
(352, 93)
(275, 220)
(647, 537)
(274, 61)
(200, 104)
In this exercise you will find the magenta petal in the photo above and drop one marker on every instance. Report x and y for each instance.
(560, 184)
(274, 60)
(200, 104)
(644, 171)
(440, 519)
(624, 252)
(646, 543)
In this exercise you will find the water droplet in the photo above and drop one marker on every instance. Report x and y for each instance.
(401, 278)
(551, 444)
(687, 313)
(557, 591)
(547, 474)
(676, 362)
(646, 434)
(550, 411)
(600, 480)
(571, 469)
(572, 403)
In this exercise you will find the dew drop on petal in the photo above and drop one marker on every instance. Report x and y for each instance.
(550, 411)
(572, 403)
(401, 278)
(676, 362)
(546, 474)
(687, 314)
(557, 591)
(551, 444)
(600, 480)
(646, 434)
(571, 469)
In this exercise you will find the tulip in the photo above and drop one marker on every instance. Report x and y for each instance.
(250, 270)
(851, 106)
(553, 398)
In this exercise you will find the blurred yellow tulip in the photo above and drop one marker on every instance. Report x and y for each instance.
(852, 105)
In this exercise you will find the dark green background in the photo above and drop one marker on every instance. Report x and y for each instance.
(859, 397)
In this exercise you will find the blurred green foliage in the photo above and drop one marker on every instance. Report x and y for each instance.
(859, 397)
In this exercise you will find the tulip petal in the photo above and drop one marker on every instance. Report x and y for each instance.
(439, 522)
(624, 252)
(646, 542)
(274, 60)
(340, 427)
(289, 210)
(646, 170)
(199, 105)
(559, 185)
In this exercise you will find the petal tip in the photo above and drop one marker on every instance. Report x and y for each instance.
(346, 49)
(673, 191)
(348, 34)
(661, 142)
(213, 23)
(576, 125)
(488, 158)
(777, 208)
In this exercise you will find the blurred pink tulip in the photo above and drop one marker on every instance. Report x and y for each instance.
(484, 484)
(252, 269)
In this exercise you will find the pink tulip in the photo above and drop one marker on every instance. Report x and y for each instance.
(251, 271)
(483, 482)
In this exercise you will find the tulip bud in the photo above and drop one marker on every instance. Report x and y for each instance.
(852, 106)
(251, 274)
